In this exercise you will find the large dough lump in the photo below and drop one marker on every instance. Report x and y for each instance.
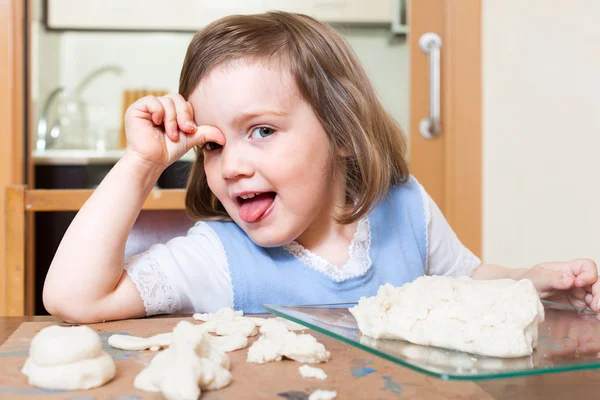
(68, 358)
(494, 317)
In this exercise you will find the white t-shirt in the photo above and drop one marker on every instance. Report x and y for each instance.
(191, 273)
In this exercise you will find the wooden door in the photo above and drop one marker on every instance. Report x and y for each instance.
(449, 166)
(12, 115)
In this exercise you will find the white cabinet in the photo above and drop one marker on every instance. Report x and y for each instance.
(347, 11)
(191, 15)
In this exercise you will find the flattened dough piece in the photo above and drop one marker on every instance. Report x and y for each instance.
(78, 375)
(496, 318)
(127, 342)
(226, 344)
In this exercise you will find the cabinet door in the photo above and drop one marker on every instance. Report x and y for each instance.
(191, 15)
(149, 15)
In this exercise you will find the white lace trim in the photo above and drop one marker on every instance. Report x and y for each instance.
(427, 214)
(158, 296)
(359, 260)
(467, 263)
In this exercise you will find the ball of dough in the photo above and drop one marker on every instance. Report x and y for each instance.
(56, 345)
(79, 375)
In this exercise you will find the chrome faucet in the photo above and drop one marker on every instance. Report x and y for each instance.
(43, 137)
(46, 137)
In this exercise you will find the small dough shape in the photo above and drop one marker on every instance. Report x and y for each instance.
(242, 325)
(68, 358)
(312, 372)
(277, 342)
(229, 343)
(291, 325)
(226, 321)
(189, 365)
(273, 327)
(127, 342)
(497, 318)
(323, 395)
(225, 313)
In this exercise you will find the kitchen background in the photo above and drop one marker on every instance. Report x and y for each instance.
(152, 61)
(540, 101)
(80, 134)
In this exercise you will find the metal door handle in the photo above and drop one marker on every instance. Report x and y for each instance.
(431, 43)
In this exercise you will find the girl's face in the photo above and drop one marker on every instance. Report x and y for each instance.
(271, 168)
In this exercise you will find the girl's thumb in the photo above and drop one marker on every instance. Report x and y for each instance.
(205, 134)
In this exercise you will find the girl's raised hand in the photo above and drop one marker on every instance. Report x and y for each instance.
(160, 130)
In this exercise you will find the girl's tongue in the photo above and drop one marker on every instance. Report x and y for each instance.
(252, 209)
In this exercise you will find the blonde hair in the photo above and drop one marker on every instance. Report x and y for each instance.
(364, 138)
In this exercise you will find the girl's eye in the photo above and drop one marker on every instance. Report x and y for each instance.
(262, 132)
(211, 146)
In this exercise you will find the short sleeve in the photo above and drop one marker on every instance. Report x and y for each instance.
(446, 255)
(187, 274)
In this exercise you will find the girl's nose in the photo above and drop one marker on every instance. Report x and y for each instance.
(235, 162)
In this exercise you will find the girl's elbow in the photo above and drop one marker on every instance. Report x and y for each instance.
(70, 310)
(57, 306)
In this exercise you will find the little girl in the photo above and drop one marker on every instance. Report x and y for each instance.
(300, 185)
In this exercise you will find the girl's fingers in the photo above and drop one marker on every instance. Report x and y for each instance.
(589, 298)
(577, 302)
(185, 115)
(586, 278)
(152, 107)
(578, 293)
(170, 119)
(584, 270)
(595, 302)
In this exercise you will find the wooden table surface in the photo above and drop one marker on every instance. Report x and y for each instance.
(362, 375)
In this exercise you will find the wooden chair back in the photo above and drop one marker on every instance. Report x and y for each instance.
(163, 217)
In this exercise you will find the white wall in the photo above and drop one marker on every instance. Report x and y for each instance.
(153, 61)
(541, 133)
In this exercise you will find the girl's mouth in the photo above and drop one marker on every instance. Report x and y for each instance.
(254, 206)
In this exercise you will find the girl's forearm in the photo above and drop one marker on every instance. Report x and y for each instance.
(490, 271)
(89, 261)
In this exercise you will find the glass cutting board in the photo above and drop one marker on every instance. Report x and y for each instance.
(569, 339)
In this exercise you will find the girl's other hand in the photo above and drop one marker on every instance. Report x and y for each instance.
(574, 282)
(160, 130)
